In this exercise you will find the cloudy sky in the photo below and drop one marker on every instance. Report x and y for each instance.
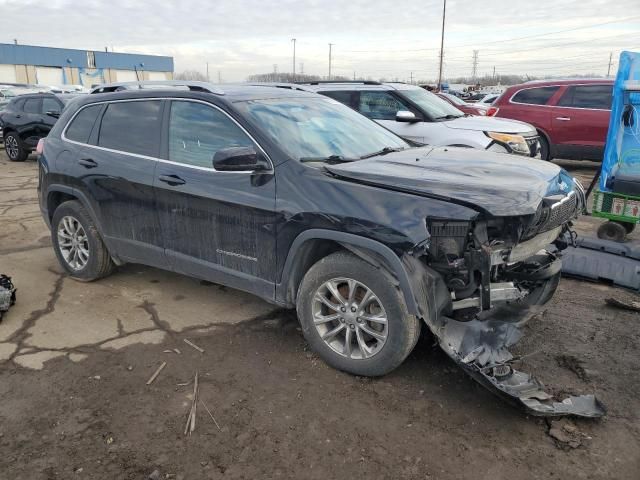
(377, 38)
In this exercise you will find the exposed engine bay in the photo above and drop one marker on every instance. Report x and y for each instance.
(499, 273)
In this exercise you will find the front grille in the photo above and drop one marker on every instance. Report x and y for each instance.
(553, 216)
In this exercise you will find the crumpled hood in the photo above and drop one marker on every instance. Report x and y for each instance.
(490, 124)
(500, 184)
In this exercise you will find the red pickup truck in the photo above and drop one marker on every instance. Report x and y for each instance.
(572, 116)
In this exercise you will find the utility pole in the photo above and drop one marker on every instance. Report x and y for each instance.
(609, 68)
(294, 58)
(330, 46)
(474, 71)
(219, 77)
(411, 78)
(301, 68)
(208, 79)
(494, 73)
(444, 13)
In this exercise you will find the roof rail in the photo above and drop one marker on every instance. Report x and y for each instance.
(318, 82)
(192, 85)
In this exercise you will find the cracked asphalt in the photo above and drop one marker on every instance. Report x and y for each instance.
(75, 358)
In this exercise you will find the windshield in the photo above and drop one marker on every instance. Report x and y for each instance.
(431, 104)
(454, 99)
(319, 128)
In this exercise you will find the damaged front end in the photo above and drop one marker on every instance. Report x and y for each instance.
(485, 279)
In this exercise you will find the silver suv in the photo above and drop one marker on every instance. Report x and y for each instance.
(418, 115)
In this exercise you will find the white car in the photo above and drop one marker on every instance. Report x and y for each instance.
(418, 115)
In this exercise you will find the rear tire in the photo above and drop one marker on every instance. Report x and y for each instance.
(355, 339)
(612, 231)
(77, 243)
(15, 148)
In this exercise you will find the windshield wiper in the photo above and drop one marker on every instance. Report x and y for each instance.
(329, 159)
(448, 117)
(384, 151)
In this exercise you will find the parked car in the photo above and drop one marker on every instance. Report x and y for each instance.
(469, 108)
(26, 119)
(417, 115)
(487, 100)
(365, 235)
(571, 116)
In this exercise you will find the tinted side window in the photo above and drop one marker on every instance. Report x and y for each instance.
(132, 127)
(32, 105)
(380, 105)
(18, 104)
(341, 96)
(535, 96)
(587, 96)
(50, 105)
(80, 128)
(197, 132)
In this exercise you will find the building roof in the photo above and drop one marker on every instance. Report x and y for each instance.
(12, 54)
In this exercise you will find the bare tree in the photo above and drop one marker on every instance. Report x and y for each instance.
(283, 77)
(190, 75)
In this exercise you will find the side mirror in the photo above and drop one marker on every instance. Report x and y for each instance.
(406, 116)
(238, 159)
(53, 113)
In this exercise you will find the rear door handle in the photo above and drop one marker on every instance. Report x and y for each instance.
(172, 180)
(563, 119)
(88, 163)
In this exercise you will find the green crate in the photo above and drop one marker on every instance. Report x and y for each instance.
(615, 206)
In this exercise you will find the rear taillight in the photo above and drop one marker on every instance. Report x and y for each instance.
(492, 111)
(40, 147)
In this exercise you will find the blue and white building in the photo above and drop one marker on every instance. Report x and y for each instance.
(62, 66)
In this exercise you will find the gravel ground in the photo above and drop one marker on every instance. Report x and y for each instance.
(282, 413)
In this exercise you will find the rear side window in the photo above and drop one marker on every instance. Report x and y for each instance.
(32, 105)
(587, 96)
(50, 105)
(132, 127)
(197, 132)
(535, 96)
(81, 126)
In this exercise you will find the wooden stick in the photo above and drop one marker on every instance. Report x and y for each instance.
(214, 420)
(157, 372)
(193, 345)
(195, 404)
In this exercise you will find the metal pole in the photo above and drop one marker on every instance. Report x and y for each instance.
(208, 80)
(444, 12)
(609, 68)
(330, 45)
(294, 58)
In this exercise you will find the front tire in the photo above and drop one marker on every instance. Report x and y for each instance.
(15, 148)
(77, 243)
(545, 151)
(354, 317)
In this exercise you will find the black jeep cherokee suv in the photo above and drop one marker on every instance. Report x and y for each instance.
(302, 201)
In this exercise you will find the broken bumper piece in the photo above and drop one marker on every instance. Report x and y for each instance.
(480, 348)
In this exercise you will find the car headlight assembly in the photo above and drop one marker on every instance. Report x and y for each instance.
(515, 143)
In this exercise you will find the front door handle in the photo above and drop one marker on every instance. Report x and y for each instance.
(88, 163)
(563, 119)
(172, 180)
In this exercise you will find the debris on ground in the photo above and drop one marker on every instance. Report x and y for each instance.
(574, 365)
(210, 414)
(156, 373)
(191, 418)
(191, 344)
(625, 305)
(7, 294)
(565, 434)
(597, 260)
(481, 349)
(155, 475)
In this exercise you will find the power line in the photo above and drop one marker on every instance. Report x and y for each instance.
(500, 41)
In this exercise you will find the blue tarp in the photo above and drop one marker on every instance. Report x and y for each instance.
(622, 150)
